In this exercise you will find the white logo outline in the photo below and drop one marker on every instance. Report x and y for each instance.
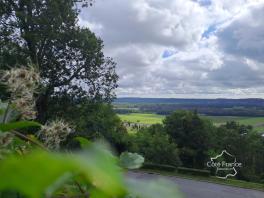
(217, 169)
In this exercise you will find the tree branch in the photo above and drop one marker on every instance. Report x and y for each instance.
(23, 137)
(70, 79)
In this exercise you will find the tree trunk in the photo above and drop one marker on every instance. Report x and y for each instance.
(42, 106)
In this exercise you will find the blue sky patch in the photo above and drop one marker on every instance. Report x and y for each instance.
(209, 31)
(167, 53)
(204, 2)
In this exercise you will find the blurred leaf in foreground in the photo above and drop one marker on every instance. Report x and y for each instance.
(84, 143)
(131, 160)
(18, 125)
(35, 174)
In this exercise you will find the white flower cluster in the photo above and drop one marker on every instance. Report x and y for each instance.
(54, 133)
(22, 83)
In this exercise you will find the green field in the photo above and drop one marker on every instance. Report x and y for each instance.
(256, 122)
(144, 118)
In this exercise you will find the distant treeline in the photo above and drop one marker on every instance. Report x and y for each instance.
(214, 107)
(210, 102)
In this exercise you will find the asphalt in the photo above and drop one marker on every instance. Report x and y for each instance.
(199, 189)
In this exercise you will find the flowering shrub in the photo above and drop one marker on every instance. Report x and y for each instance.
(22, 84)
(54, 133)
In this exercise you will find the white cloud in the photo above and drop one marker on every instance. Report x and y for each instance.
(214, 48)
(172, 23)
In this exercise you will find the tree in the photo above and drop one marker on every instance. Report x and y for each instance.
(246, 145)
(192, 135)
(100, 121)
(155, 145)
(70, 58)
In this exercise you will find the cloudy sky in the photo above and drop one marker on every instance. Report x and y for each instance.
(183, 48)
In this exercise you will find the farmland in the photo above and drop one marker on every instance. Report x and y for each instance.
(151, 118)
(143, 118)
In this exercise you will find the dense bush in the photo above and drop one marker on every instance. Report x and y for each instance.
(93, 120)
(161, 167)
(98, 121)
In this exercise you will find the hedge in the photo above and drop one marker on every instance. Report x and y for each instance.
(159, 167)
(192, 171)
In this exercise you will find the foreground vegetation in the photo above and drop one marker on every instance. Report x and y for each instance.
(42, 169)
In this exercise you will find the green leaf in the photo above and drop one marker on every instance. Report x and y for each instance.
(41, 172)
(131, 160)
(1, 111)
(83, 142)
(33, 175)
(103, 169)
(152, 189)
(94, 193)
(18, 125)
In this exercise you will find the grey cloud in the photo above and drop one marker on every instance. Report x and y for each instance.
(237, 74)
(244, 36)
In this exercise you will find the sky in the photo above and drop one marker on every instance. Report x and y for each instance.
(183, 48)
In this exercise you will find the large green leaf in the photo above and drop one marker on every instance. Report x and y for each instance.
(102, 169)
(35, 174)
(131, 160)
(18, 125)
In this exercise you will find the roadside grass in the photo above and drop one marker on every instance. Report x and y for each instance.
(228, 182)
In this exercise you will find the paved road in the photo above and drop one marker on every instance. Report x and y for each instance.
(197, 189)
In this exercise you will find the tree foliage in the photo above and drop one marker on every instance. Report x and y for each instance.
(92, 120)
(244, 143)
(69, 57)
(193, 136)
(155, 145)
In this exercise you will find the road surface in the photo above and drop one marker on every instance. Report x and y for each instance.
(199, 189)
